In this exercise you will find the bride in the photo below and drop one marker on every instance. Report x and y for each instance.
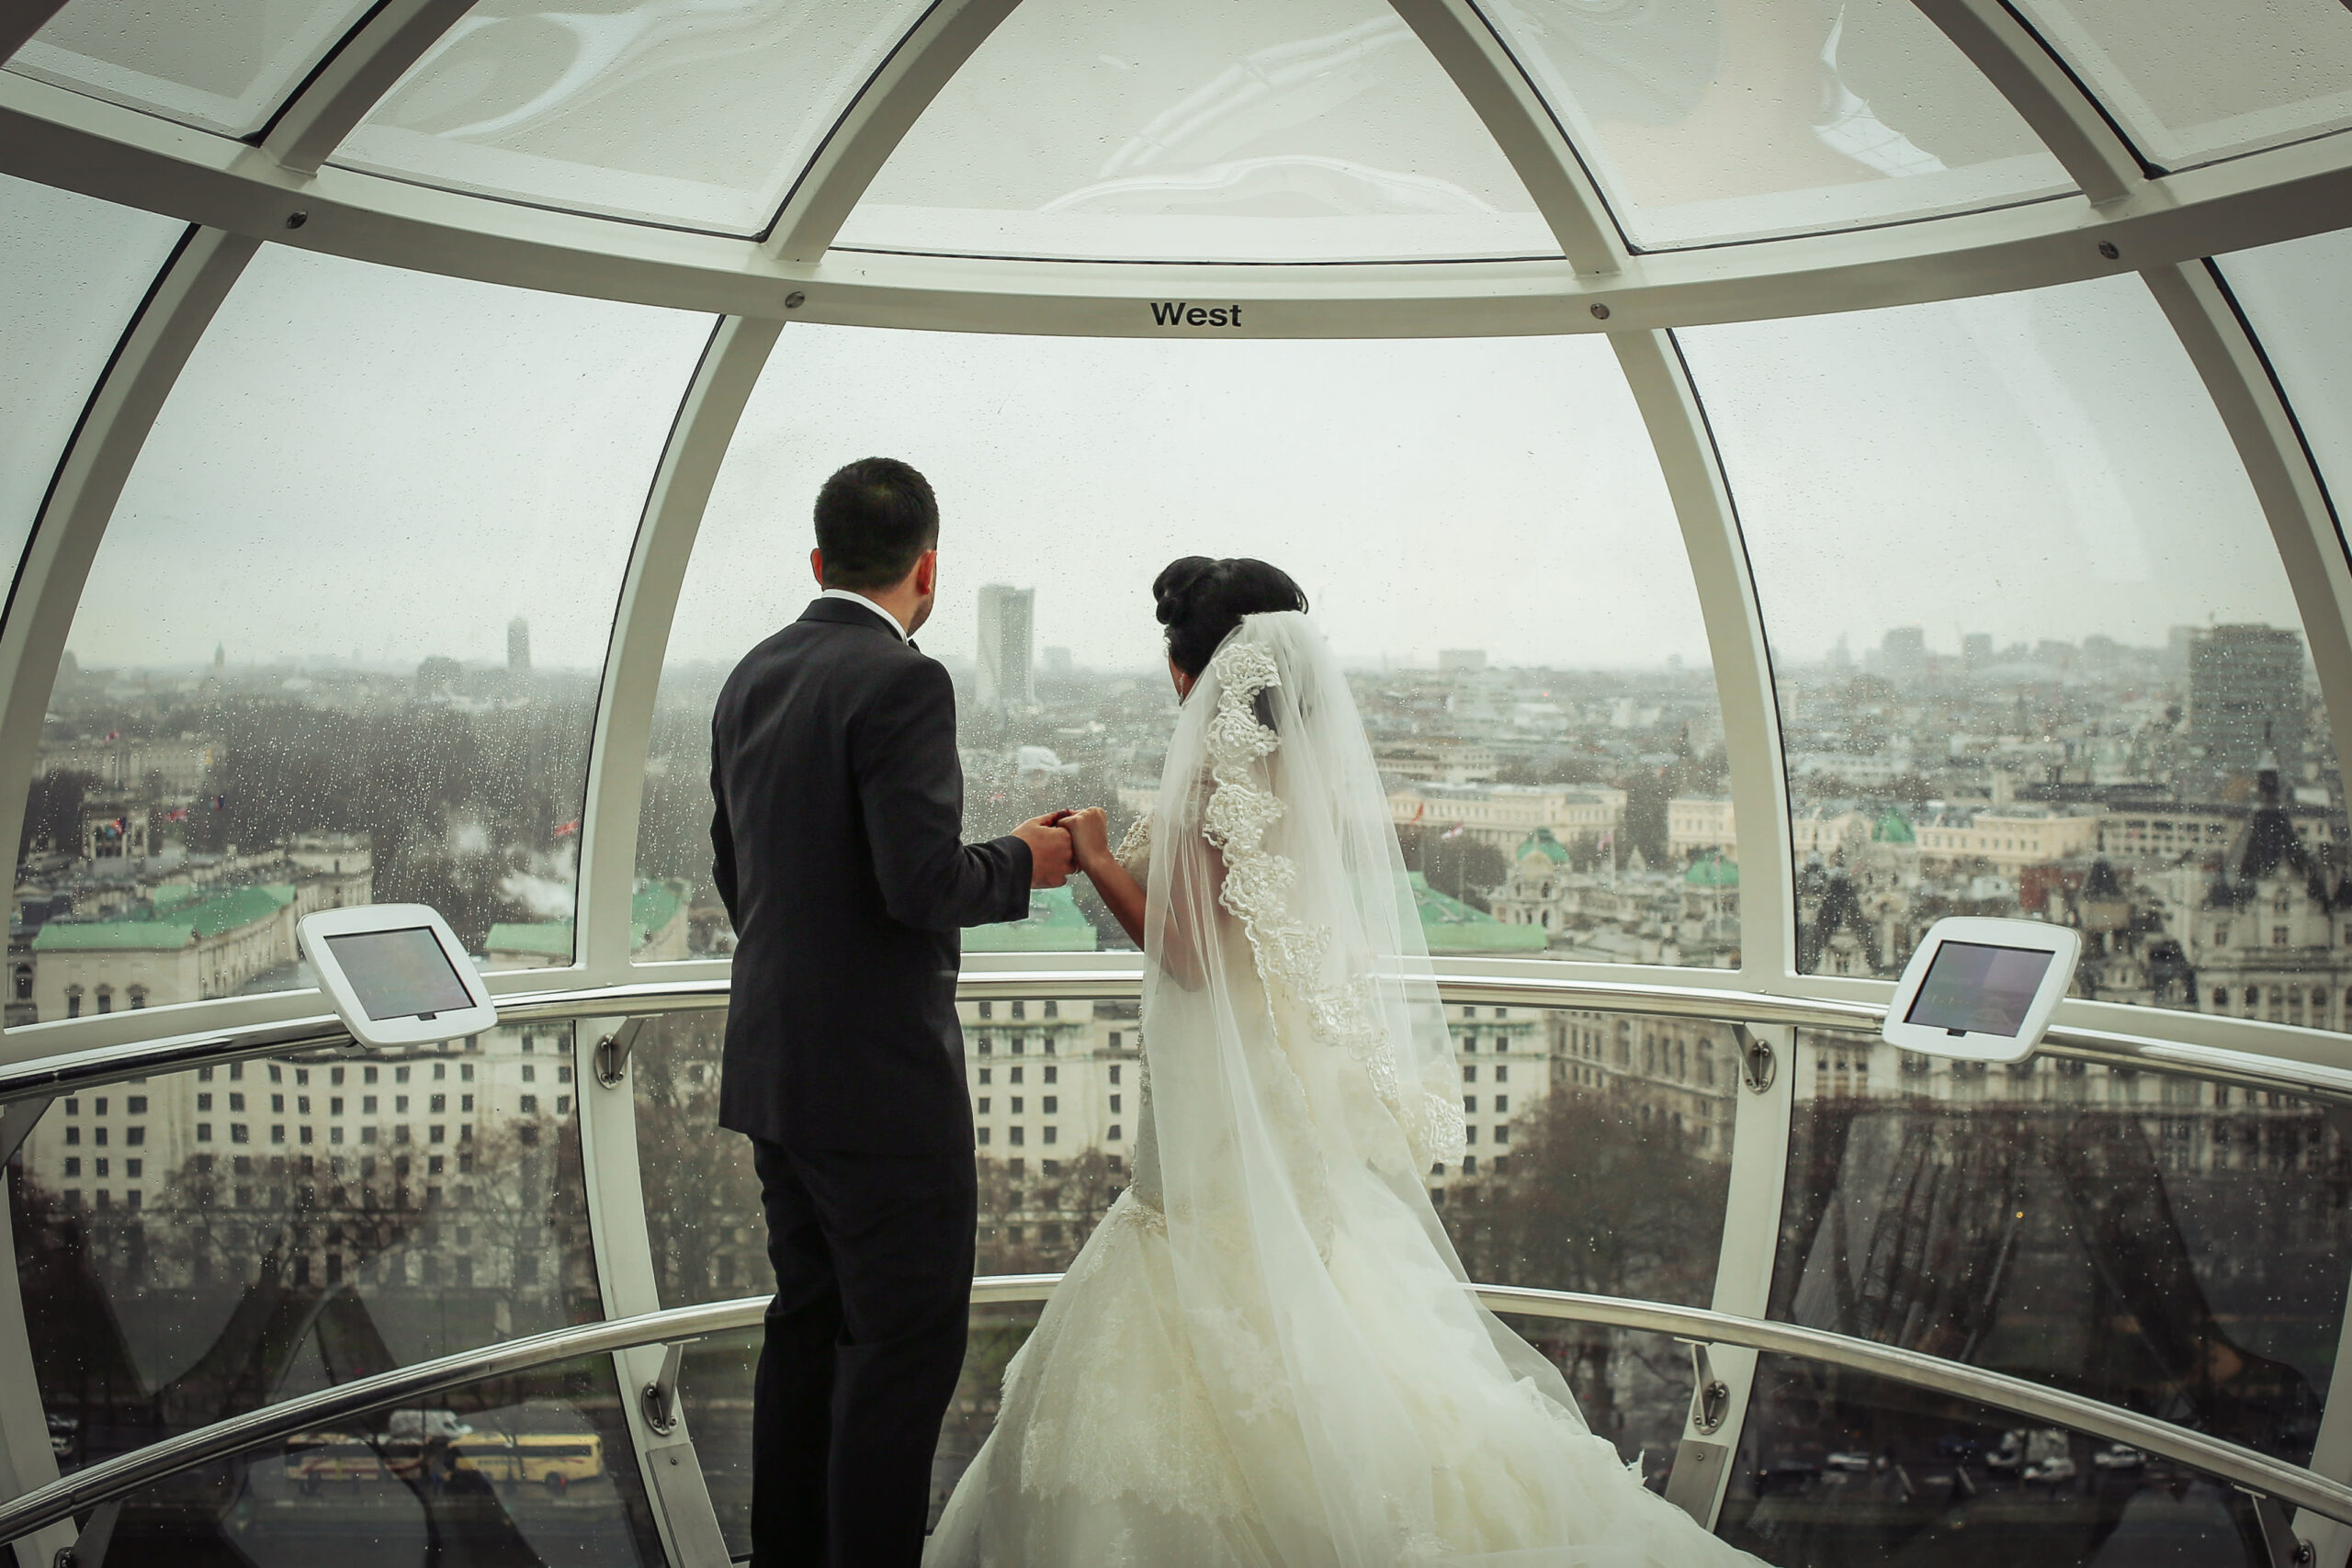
(1266, 1354)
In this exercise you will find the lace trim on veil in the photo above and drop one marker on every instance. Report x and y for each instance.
(1292, 953)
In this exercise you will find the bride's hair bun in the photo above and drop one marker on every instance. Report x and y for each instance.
(1201, 601)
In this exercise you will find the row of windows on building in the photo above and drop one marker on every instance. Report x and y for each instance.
(135, 995)
(1049, 1074)
(1018, 1137)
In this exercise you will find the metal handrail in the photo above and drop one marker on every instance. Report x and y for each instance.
(68, 1072)
(126, 1473)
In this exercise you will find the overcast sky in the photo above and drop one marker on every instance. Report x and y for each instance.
(363, 460)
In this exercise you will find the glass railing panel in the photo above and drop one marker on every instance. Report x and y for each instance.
(202, 1244)
(1546, 719)
(522, 1470)
(2168, 1243)
(1836, 1467)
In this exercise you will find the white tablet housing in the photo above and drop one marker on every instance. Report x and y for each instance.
(1981, 990)
(396, 974)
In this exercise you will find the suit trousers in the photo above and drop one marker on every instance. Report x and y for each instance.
(865, 1341)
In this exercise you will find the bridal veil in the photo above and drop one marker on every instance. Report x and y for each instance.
(1268, 1353)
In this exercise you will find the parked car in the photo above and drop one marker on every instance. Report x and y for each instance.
(2048, 1471)
(1850, 1461)
(2120, 1455)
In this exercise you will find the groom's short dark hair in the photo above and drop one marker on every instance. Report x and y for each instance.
(874, 519)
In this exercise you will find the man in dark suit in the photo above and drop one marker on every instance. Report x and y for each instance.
(840, 857)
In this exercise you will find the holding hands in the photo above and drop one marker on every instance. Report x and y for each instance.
(1050, 857)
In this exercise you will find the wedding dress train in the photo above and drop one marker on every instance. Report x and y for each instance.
(1267, 1356)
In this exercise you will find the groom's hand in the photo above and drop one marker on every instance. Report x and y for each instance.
(1050, 856)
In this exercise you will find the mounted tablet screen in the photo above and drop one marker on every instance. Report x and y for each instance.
(1981, 989)
(399, 973)
(1974, 988)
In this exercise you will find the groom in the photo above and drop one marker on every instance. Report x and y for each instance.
(840, 856)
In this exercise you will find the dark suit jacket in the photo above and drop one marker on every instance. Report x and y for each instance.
(840, 857)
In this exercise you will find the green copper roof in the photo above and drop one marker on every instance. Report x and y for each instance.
(1053, 925)
(175, 924)
(1713, 871)
(1543, 842)
(1449, 925)
(1893, 828)
(650, 907)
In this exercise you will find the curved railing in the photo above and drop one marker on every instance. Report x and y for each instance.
(116, 1477)
(67, 1073)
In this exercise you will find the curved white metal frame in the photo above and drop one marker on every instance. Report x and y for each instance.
(2127, 218)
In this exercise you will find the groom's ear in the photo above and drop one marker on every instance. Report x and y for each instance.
(817, 566)
(927, 572)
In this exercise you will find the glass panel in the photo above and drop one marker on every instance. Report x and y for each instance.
(1599, 1159)
(2194, 82)
(1241, 131)
(212, 65)
(525, 1471)
(1536, 680)
(343, 639)
(1836, 1467)
(72, 275)
(2294, 298)
(2166, 1244)
(218, 1239)
(1713, 120)
(2035, 651)
(700, 116)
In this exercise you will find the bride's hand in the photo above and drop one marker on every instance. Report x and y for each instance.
(1090, 837)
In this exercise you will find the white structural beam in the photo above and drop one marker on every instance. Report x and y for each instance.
(1523, 127)
(674, 1486)
(665, 540)
(19, 19)
(894, 98)
(1711, 536)
(78, 143)
(338, 95)
(2044, 92)
(2311, 547)
(1702, 503)
(40, 613)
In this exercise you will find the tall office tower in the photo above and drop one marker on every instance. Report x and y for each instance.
(1008, 628)
(2246, 698)
(518, 646)
(1976, 650)
(1903, 653)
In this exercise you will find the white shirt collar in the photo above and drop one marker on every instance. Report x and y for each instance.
(857, 598)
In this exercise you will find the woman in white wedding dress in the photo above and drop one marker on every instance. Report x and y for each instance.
(1266, 1354)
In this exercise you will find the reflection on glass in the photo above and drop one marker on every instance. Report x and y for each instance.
(1239, 131)
(71, 278)
(215, 1240)
(701, 117)
(215, 67)
(1838, 1467)
(523, 1470)
(2166, 1244)
(342, 641)
(1709, 120)
(1481, 528)
(2195, 82)
(2293, 299)
(2035, 651)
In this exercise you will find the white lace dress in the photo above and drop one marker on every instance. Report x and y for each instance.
(1140, 1428)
